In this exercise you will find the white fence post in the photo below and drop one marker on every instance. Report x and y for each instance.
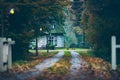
(10, 53)
(5, 54)
(1, 54)
(113, 50)
(113, 56)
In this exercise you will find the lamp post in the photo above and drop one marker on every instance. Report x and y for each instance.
(2, 20)
(36, 39)
(36, 42)
(47, 46)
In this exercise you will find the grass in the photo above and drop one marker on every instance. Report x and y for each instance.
(70, 49)
(59, 70)
(33, 51)
(87, 53)
(20, 62)
(64, 49)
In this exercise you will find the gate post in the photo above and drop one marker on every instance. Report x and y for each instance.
(1, 54)
(10, 53)
(5, 54)
(113, 55)
(113, 50)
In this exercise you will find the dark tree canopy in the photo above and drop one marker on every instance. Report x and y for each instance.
(29, 15)
(102, 21)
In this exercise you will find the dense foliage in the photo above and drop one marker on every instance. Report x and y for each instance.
(77, 7)
(29, 16)
(102, 19)
(77, 10)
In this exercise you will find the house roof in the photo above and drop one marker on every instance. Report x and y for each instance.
(57, 30)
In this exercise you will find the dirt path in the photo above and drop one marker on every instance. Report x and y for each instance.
(40, 67)
(32, 73)
(79, 70)
(49, 62)
(76, 64)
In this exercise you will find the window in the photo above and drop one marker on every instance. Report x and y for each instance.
(52, 40)
(55, 38)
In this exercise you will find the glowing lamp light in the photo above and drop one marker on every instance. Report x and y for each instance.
(40, 29)
(12, 11)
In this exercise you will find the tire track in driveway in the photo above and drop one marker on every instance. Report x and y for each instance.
(40, 67)
(76, 64)
(49, 62)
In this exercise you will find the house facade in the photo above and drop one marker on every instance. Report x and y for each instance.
(55, 37)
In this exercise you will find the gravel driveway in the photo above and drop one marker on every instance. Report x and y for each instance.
(40, 67)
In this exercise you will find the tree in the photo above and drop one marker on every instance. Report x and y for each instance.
(29, 14)
(79, 29)
(103, 22)
(77, 7)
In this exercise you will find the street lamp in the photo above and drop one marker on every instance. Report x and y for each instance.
(2, 20)
(36, 34)
(52, 26)
(47, 46)
(40, 29)
(12, 11)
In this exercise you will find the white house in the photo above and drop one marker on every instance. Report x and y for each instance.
(55, 37)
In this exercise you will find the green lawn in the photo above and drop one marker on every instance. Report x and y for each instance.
(70, 49)
(64, 49)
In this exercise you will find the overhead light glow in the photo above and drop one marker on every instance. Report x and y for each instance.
(12, 11)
